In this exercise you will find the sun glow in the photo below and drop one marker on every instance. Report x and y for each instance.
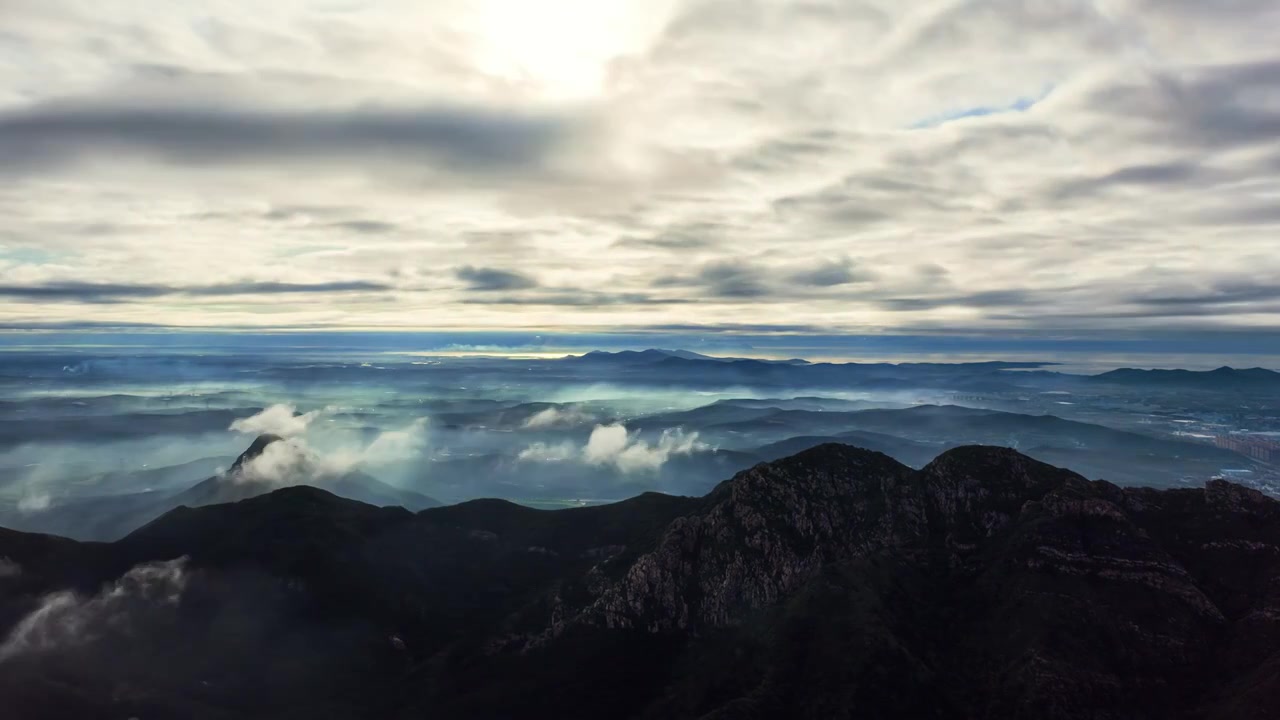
(561, 50)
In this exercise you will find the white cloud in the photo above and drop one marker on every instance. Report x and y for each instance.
(284, 462)
(614, 446)
(303, 460)
(1065, 150)
(395, 446)
(554, 416)
(9, 568)
(280, 419)
(635, 455)
(606, 443)
(34, 502)
(545, 452)
(66, 619)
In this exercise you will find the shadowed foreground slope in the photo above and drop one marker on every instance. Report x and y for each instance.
(835, 583)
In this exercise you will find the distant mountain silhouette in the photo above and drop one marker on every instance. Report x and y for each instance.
(109, 517)
(233, 485)
(654, 355)
(672, 367)
(1223, 378)
(915, 435)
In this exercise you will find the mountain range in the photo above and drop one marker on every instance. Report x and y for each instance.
(735, 434)
(684, 367)
(837, 582)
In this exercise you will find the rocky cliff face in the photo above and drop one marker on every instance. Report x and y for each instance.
(762, 535)
(1048, 595)
(771, 528)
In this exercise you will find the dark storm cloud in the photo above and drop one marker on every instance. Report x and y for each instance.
(932, 270)
(831, 274)
(1242, 214)
(364, 227)
(460, 139)
(1169, 316)
(834, 206)
(271, 288)
(1226, 102)
(1221, 293)
(733, 279)
(121, 292)
(742, 280)
(988, 299)
(82, 292)
(723, 279)
(1140, 176)
(666, 241)
(688, 235)
(568, 297)
(1217, 107)
(483, 279)
(727, 328)
(793, 150)
(306, 212)
(78, 325)
(1163, 174)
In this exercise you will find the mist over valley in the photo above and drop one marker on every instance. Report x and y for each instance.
(95, 445)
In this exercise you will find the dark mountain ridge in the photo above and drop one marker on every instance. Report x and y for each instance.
(653, 355)
(675, 367)
(237, 484)
(1223, 378)
(669, 367)
(833, 583)
(110, 517)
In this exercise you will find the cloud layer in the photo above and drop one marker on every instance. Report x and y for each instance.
(280, 419)
(557, 417)
(857, 166)
(65, 619)
(613, 446)
(309, 458)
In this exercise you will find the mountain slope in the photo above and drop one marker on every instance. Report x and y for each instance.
(237, 484)
(914, 435)
(834, 583)
(110, 517)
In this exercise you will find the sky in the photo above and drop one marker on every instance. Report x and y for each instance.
(979, 167)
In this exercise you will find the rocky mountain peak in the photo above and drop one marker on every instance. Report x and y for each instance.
(254, 450)
(972, 492)
(769, 529)
(763, 533)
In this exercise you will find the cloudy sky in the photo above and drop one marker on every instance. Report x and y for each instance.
(845, 166)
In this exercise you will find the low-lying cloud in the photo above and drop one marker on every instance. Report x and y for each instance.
(555, 417)
(280, 419)
(67, 619)
(299, 460)
(34, 501)
(550, 452)
(284, 462)
(615, 447)
(487, 279)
